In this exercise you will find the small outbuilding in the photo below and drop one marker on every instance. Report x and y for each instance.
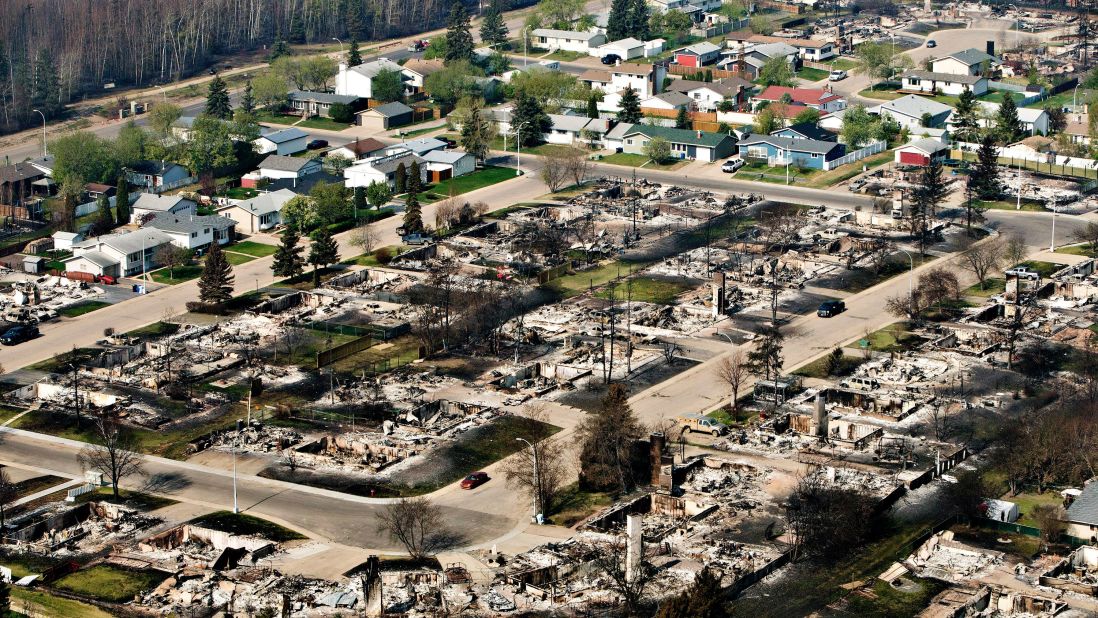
(1000, 510)
(384, 117)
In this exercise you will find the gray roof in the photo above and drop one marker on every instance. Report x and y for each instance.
(95, 257)
(771, 50)
(130, 242)
(1085, 508)
(390, 110)
(562, 122)
(159, 203)
(267, 202)
(619, 131)
(944, 77)
(423, 145)
(700, 49)
(285, 135)
(677, 99)
(153, 167)
(285, 164)
(681, 136)
(449, 157)
(790, 143)
(322, 97)
(927, 145)
(727, 87)
(915, 106)
(186, 224)
(372, 68)
(388, 163)
(971, 56)
(565, 34)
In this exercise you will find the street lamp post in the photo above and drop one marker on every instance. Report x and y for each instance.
(537, 484)
(1052, 241)
(340, 44)
(1075, 98)
(43, 131)
(163, 93)
(236, 504)
(910, 276)
(518, 147)
(525, 52)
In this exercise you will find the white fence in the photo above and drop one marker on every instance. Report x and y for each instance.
(850, 157)
(90, 207)
(1039, 161)
(72, 494)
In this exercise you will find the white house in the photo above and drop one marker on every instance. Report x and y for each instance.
(646, 79)
(708, 95)
(668, 101)
(358, 80)
(283, 142)
(195, 231)
(568, 130)
(260, 213)
(921, 152)
(118, 255)
(359, 149)
(63, 241)
(567, 40)
(416, 71)
(418, 147)
(278, 167)
(630, 48)
(442, 164)
(944, 83)
(967, 62)
(382, 169)
(914, 112)
(1033, 120)
(152, 204)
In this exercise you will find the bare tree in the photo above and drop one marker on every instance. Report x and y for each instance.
(576, 165)
(417, 523)
(982, 258)
(630, 586)
(115, 453)
(7, 495)
(291, 340)
(554, 170)
(548, 456)
(170, 256)
(732, 370)
(825, 518)
(1015, 250)
(1050, 519)
(365, 237)
(880, 250)
(1087, 234)
(670, 351)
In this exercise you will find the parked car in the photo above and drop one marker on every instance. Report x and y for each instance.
(415, 239)
(732, 165)
(836, 76)
(831, 308)
(611, 59)
(107, 279)
(474, 480)
(1023, 272)
(931, 43)
(419, 45)
(450, 142)
(703, 424)
(18, 334)
(317, 144)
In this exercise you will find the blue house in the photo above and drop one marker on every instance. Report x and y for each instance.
(775, 150)
(806, 130)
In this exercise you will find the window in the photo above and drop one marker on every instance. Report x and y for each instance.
(815, 155)
(629, 141)
(194, 234)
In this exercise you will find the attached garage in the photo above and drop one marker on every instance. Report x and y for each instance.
(384, 117)
(921, 152)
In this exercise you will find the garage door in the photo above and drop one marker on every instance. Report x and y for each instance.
(913, 158)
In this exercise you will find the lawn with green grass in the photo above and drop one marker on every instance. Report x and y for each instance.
(8, 412)
(776, 174)
(490, 175)
(423, 131)
(253, 248)
(893, 338)
(241, 193)
(1027, 205)
(39, 603)
(326, 124)
(575, 504)
(177, 275)
(846, 172)
(580, 282)
(236, 259)
(1084, 250)
(638, 160)
(80, 309)
(811, 74)
(275, 118)
(239, 523)
(1045, 269)
(109, 583)
(991, 287)
(843, 64)
(819, 368)
(154, 330)
(658, 290)
(888, 602)
(1028, 501)
(138, 500)
(882, 93)
(564, 55)
(369, 259)
(36, 484)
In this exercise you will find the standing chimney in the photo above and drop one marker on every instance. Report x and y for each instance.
(634, 546)
(991, 48)
(655, 456)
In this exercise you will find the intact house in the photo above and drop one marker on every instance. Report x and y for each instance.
(443, 164)
(566, 40)
(914, 112)
(943, 83)
(309, 103)
(417, 147)
(1078, 131)
(572, 129)
(806, 130)
(685, 144)
(774, 150)
(921, 152)
(385, 117)
(698, 55)
(194, 232)
(808, 49)
(645, 79)
(382, 169)
(417, 70)
(1082, 515)
(359, 149)
(707, 96)
(283, 142)
(667, 102)
(821, 99)
(278, 167)
(751, 57)
(16, 186)
(1034, 120)
(260, 213)
(118, 255)
(63, 241)
(685, 6)
(150, 204)
(629, 48)
(358, 80)
(161, 175)
(967, 62)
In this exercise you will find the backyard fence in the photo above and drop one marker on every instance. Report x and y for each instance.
(872, 149)
(1020, 156)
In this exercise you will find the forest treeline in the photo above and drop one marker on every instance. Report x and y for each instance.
(55, 51)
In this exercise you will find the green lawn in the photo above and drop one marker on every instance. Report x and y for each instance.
(1083, 250)
(323, 123)
(882, 93)
(575, 504)
(154, 330)
(46, 604)
(638, 160)
(846, 172)
(842, 64)
(564, 56)
(273, 118)
(888, 602)
(236, 259)
(241, 193)
(108, 583)
(1045, 269)
(136, 499)
(368, 259)
(571, 285)
(661, 291)
(777, 174)
(178, 275)
(8, 412)
(256, 249)
(239, 523)
(892, 338)
(818, 368)
(1027, 501)
(1027, 205)
(490, 175)
(811, 74)
(80, 309)
(992, 286)
(540, 149)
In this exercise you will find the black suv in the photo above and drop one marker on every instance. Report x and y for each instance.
(18, 334)
(831, 308)
(609, 59)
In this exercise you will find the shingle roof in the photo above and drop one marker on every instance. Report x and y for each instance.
(1085, 508)
(809, 131)
(364, 146)
(915, 106)
(424, 67)
(771, 50)
(19, 171)
(632, 68)
(628, 43)
(387, 163)
(158, 203)
(700, 49)
(389, 110)
(372, 68)
(449, 157)
(789, 143)
(153, 167)
(322, 97)
(726, 87)
(971, 56)
(595, 75)
(927, 145)
(267, 202)
(284, 164)
(803, 96)
(562, 122)
(130, 242)
(167, 222)
(285, 135)
(677, 99)
(944, 77)
(423, 144)
(680, 136)
(564, 34)
(95, 257)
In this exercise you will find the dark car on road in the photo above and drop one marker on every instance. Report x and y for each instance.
(831, 308)
(475, 479)
(611, 59)
(18, 334)
(317, 144)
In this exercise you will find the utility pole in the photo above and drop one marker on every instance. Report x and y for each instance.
(537, 478)
(236, 504)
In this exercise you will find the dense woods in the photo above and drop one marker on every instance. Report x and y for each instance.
(55, 51)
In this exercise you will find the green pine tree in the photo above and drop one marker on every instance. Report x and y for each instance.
(46, 90)
(474, 133)
(984, 177)
(323, 251)
(966, 123)
(415, 178)
(617, 22)
(217, 99)
(493, 30)
(638, 20)
(105, 220)
(215, 286)
(593, 106)
(122, 200)
(459, 42)
(297, 30)
(932, 189)
(682, 120)
(359, 203)
(629, 107)
(530, 120)
(413, 214)
(1007, 122)
(288, 261)
(354, 56)
(278, 50)
(247, 100)
(400, 179)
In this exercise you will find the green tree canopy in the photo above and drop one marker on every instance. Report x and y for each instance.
(215, 286)
(217, 99)
(387, 86)
(82, 157)
(459, 41)
(776, 72)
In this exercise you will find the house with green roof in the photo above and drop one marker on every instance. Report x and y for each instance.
(685, 144)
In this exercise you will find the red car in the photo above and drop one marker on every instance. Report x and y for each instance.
(475, 479)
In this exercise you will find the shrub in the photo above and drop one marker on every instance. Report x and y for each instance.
(383, 256)
(195, 306)
(341, 112)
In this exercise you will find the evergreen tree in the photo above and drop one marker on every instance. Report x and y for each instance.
(354, 56)
(215, 286)
(638, 20)
(493, 30)
(965, 115)
(617, 22)
(105, 220)
(629, 107)
(931, 191)
(459, 42)
(323, 251)
(682, 120)
(415, 178)
(46, 87)
(702, 600)
(413, 214)
(593, 106)
(297, 30)
(765, 360)
(1010, 128)
(400, 178)
(278, 50)
(607, 439)
(217, 100)
(358, 200)
(288, 261)
(247, 100)
(529, 120)
(122, 200)
(475, 132)
(5, 598)
(358, 22)
(984, 176)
